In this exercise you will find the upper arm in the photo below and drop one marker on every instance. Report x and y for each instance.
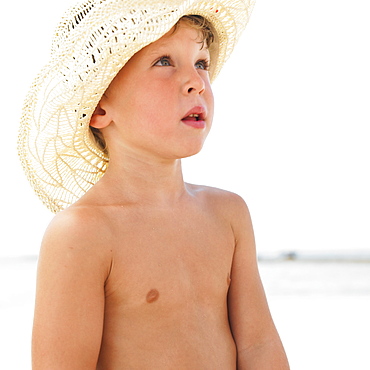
(69, 310)
(249, 315)
(248, 310)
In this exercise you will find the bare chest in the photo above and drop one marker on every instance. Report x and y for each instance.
(166, 295)
(171, 259)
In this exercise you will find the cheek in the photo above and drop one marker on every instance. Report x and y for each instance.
(156, 103)
(210, 102)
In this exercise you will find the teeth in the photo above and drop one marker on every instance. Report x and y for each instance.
(194, 115)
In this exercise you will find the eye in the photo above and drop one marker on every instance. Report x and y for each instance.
(202, 64)
(164, 61)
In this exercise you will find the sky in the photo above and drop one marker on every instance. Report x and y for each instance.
(290, 133)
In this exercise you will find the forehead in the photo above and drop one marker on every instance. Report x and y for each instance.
(178, 33)
(173, 39)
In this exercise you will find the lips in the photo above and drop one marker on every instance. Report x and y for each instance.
(195, 117)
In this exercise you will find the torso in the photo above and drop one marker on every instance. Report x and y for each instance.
(166, 294)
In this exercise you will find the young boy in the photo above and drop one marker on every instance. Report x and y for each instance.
(145, 271)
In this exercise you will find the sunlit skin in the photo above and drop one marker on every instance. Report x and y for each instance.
(146, 271)
(146, 102)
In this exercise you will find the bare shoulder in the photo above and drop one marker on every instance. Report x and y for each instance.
(82, 233)
(230, 205)
(225, 197)
(77, 221)
(74, 263)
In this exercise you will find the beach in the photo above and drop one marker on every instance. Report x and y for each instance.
(290, 135)
(321, 310)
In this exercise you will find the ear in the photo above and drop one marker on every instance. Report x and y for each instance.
(99, 118)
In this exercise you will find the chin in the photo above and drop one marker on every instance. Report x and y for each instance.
(189, 152)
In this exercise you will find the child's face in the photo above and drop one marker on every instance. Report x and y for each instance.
(150, 100)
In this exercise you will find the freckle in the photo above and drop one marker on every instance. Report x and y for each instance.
(152, 296)
(228, 280)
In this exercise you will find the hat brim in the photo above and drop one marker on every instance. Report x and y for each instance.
(92, 43)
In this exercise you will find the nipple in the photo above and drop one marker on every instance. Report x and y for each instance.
(228, 280)
(152, 296)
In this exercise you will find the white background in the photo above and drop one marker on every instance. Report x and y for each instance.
(290, 134)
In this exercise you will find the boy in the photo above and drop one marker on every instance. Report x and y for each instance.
(145, 271)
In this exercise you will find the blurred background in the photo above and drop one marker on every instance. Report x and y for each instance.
(290, 135)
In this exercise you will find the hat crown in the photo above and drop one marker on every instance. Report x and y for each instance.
(105, 12)
(91, 44)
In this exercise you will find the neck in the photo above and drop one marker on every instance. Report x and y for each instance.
(145, 180)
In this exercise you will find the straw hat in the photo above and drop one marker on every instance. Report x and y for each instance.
(92, 43)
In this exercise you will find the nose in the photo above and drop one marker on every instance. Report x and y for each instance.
(194, 83)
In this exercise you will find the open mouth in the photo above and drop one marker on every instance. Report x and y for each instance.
(194, 117)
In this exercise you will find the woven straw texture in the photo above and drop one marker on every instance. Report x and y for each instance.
(91, 44)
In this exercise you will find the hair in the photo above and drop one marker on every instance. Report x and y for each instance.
(197, 22)
(201, 24)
